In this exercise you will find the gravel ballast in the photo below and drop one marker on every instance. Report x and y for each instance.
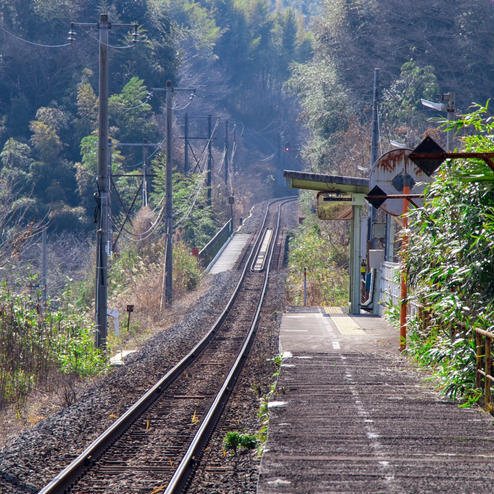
(32, 459)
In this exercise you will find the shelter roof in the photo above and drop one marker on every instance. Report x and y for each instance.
(326, 183)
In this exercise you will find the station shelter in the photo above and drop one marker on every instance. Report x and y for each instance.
(355, 189)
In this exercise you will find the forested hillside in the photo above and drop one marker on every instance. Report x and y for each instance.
(235, 54)
(422, 49)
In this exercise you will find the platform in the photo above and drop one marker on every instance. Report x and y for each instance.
(352, 415)
(230, 254)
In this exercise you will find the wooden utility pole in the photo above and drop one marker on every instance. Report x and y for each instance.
(186, 141)
(210, 161)
(144, 176)
(371, 241)
(169, 200)
(226, 152)
(44, 293)
(102, 194)
(403, 274)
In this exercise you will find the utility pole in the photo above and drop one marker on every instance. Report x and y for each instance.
(109, 236)
(102, 194)
(226, 152)
(169, 201)
(234, 149)
(448, 105)
(449, 102)
(186, 141)
(144, 176)
(210, 161)
(44, 293)
(374, 154)
(278, 152)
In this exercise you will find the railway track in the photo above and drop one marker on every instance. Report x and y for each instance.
(157, 443)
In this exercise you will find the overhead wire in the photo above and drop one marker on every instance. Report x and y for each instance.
(184, 218)
(141, 237)
(123, 47)
(145, 102)
(191, 99)
(33, 43)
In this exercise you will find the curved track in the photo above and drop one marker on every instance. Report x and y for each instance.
(175, 418)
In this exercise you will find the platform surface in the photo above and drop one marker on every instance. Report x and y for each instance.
(352, 415)
(230, 254)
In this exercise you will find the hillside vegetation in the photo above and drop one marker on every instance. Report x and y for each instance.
(236, 54)
(423, 49)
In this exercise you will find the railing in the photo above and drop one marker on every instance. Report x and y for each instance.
(390, 288)
(484, 359)
(209, 251)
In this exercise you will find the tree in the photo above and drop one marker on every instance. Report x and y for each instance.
(401, 104)
(130, 112)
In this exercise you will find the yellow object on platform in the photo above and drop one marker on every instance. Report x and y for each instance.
(344, 323)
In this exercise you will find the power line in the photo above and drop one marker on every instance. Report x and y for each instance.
(72, 34)
(41, 45)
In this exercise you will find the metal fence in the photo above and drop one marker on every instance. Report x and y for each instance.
(391, 290)
(390, 284)
(212, 248)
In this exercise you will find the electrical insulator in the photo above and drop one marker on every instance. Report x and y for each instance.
(72, 34)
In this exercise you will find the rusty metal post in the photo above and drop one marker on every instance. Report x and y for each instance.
(478, 359)
(404, 287)
(487, 370)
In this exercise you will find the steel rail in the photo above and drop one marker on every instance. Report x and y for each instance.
(184, 470)
(61, 483)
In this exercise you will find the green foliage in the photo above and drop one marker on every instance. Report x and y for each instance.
(89, 153)
(51, 103)
(87, 105)
(235, 440)
(45, 141)
(263, 412)
(451, 257)
(33, 344)
(192, 214)
(186, 270)
(75, 346)
(327, 278)
(401, 101)
(131, 113)
(325, 108)
(361, 35)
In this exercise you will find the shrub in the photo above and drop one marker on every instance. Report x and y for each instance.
(33, 344)
(314, 248)
(451, 260)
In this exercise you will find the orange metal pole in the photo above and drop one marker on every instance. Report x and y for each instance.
(404, 287)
